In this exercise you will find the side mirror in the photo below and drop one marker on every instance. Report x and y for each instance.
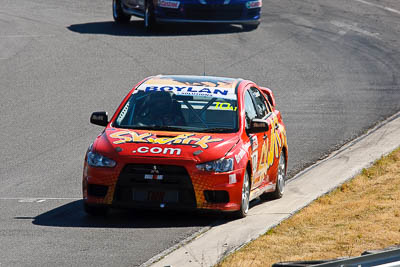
(258, 126)
(99, 118)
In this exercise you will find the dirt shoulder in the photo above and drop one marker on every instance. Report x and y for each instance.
(360, 215)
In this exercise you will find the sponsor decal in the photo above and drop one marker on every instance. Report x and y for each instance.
(232, 178)
(246, 146)
(254, 142)
(168, 4)
(153, 177)
(227, 93)
(98, 117)
(240, 155)
(158, 150)
(182, 139)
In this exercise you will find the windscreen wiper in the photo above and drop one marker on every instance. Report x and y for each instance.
(153, 127)
(217, 130)
(169, 128)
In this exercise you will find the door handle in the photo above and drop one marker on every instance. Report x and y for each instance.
(276, 126)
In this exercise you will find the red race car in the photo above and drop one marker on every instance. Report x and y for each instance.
(187, 142)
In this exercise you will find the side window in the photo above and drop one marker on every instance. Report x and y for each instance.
(269, 106)
(262, 109)
(250, 110)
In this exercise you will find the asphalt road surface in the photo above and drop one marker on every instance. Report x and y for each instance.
(333, 65)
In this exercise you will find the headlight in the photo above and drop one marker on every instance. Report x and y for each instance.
(254, 4)
(97, 160)
(220, 165)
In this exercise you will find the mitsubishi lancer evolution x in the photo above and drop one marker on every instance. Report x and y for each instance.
(244, 12)
(187, 142)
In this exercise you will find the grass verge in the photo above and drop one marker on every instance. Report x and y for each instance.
(360, 215)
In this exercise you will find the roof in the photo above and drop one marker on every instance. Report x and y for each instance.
(201, 86)
(187, 80)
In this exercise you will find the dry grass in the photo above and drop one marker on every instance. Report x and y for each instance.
(362, 214)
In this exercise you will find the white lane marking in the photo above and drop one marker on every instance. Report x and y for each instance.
(347, 27)
(29, 200)
(39, 199)
(50, 198)
(379, 6)
(26, 36)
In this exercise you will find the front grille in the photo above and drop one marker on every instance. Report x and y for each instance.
(214, 12)
(154, 185)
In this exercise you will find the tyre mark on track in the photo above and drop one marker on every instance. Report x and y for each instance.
(347, 27)
(123, 52)
(256, 54)
(379, 6)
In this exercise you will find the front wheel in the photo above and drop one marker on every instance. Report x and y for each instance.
(118, 14)
(280, 181)
(244, 206)
(149, 17)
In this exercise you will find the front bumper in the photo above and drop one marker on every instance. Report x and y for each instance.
(169, 20)
(235, 13)
(181, 187)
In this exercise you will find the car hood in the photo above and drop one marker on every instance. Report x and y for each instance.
(198, 147)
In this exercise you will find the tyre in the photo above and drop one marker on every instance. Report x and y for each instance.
(118, 14)
(280, 181)
(149, 17)
(244, 206)
(95, 210)
(250, 27)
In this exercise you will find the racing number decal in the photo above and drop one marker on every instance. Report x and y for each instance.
(224, 106)
(254, 159)
(270, 149)
(263, 166)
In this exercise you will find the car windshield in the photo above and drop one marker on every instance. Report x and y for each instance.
(163, 110)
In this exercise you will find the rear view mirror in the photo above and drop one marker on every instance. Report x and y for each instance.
(258, 126)
(99, 118)
(183, 97)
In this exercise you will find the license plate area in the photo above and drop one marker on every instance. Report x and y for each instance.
(155, 196)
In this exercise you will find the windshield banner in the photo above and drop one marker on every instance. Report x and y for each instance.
(220, 92)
